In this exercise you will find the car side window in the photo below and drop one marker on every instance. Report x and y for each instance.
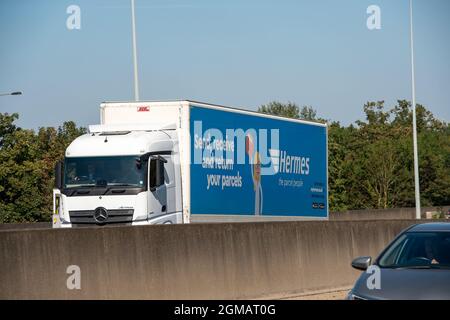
(395, 252)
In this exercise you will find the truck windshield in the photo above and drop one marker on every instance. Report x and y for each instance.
(123, 171)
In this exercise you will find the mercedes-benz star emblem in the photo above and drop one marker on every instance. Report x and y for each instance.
(100, 215)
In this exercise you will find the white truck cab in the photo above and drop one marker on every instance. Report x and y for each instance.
(124, 170)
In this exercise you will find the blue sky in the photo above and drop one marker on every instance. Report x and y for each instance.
(237, 53)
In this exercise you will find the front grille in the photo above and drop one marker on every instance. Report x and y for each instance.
(85, 217)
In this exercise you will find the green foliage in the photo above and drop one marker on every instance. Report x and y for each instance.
(290, 110)
(370, 164)
(26, 173)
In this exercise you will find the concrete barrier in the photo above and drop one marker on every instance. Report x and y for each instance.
(26, 225)
(196, 261)
(384, 214)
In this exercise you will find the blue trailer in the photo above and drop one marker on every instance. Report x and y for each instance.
(248, 166)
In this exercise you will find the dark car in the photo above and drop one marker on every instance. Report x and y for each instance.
(415, 266)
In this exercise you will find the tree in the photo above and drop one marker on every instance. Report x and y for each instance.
(290, 110)
(26, 173)
(7, 126)
(370, 164)
(308, 113)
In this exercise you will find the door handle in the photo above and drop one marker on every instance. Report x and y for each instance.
(163, 208)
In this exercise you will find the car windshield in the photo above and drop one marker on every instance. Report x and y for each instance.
(418, 250)
(124, 171)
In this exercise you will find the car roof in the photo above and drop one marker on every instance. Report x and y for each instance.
(430, 226)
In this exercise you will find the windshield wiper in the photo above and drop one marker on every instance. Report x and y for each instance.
(107, 190)
(113, 190)
(80, 192)
(111, 187)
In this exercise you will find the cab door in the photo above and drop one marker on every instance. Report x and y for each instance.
(157, 200)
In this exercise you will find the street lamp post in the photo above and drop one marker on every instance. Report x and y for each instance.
(413, 87)
(15, 93)
(133, 23)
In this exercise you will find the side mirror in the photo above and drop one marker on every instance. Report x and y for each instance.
(156, 172)
(361, 263)
(58, 175)
(160, 171)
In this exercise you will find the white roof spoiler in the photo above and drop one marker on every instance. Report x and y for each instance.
(99, 128)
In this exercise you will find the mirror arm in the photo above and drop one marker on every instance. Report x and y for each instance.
(158, 157)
